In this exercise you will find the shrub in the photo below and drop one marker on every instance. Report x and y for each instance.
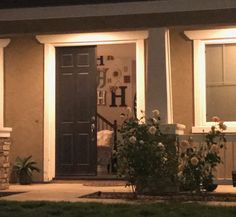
(145, 157)
(197, 163)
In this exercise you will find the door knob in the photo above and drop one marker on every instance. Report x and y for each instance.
(93, 118)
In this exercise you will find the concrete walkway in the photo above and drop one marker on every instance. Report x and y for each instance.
(72, 191)
(61, 192)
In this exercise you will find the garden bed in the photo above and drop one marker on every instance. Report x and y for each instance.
(181, 197)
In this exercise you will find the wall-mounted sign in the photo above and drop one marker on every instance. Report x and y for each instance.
(101, 77)
(121, 96)
(100, 61)
(101, 97)
(127, 79)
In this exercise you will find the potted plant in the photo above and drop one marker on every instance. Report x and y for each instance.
(24, 168)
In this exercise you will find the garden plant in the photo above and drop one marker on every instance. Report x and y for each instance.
(146, 158)
(198, 161)
(153, 162)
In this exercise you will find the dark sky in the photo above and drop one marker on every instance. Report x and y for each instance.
(41, 3)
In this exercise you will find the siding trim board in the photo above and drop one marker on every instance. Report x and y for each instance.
(101, 10)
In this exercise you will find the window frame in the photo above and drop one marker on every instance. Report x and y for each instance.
(201, 38)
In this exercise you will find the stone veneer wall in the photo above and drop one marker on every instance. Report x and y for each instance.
(4, 163)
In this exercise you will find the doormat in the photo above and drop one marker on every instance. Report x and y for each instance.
(184, 197)
(104, 183)
(9, 193)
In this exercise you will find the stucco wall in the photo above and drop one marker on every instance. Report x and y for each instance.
(24, 92)
(182, 78)
(24, 98)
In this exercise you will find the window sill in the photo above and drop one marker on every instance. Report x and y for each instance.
(206, 129)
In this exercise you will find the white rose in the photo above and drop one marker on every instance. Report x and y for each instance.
(184, 145)
(161, 146)
(141, 142)
(214, 149)
(154, 120)
(152, 130)
(156, 113)
(180, 174)
(165, 159)
(132, 139)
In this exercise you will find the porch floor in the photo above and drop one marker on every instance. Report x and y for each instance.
(72, 191)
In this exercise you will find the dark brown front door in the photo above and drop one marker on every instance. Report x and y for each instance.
(76, 111)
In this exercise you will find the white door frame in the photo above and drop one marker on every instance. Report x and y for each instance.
(84, 39)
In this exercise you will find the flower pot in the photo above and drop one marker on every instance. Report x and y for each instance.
(25, 179)
(211, 187)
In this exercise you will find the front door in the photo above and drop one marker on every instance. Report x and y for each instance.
(76, 148)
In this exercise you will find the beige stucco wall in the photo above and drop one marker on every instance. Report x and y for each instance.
(24, 98)
(182, 78)
(24, 92)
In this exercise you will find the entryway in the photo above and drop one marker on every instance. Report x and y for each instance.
(94, 85)
(51, 42)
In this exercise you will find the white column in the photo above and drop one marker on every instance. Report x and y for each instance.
(140, 77)
(49, 111)
(158, 86)
(4, 132)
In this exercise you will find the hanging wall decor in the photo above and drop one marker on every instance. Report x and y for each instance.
(127, 79)
(101, 97)
(101, 77)
(121, 95)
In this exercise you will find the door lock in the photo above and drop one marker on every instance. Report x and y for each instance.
(92, 128)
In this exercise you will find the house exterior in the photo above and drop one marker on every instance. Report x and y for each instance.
(174, 73)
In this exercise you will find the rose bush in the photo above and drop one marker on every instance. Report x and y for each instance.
(148, 160)
(197, 163)
(145, 158)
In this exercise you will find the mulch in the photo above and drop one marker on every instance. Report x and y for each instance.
(179, 197)
(104, 183)
(9, 193)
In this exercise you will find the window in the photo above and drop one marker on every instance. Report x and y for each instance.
(221, 81)
(214, 77)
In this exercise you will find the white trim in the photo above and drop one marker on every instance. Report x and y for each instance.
(168, 78)
(92, 38)
(128, 8)
(52, 41)
(140, 78)
(212, 34)
(49, 111)
(4, 132)
(200, 39)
